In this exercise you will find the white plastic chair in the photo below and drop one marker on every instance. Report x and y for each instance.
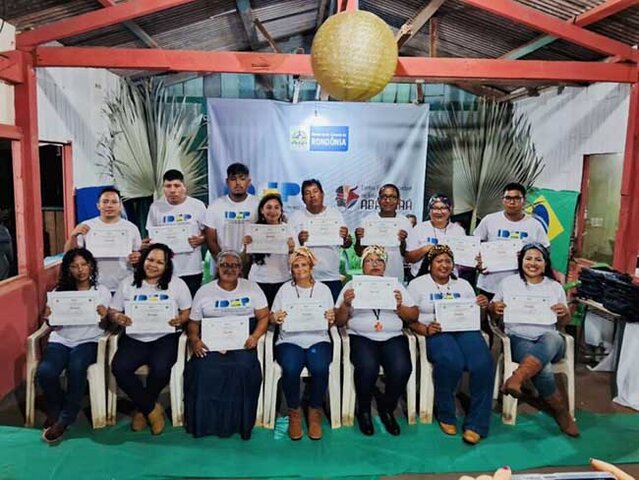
(426, 384)
(273, 373)
(348, 384)
(506, 367)
(95, 375)
(176, 384)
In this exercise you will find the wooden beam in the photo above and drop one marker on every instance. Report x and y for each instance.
(347, 5)
(134, 28)
(415, 24)
(433, 37)
(550, 25)
(321, 12)
(271, 41)
(596, 14)
(11, 70)
(245, 11)
(10, 132)
(441, 69)
(88, 22)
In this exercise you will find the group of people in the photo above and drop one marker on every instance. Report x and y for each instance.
(221, 388)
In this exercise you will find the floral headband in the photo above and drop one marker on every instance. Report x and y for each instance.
(303, 252)
(438, 197)
(439, 250)
(375, 250)
(227, 253)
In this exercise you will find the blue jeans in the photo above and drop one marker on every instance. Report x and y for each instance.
(367, 355)
(548, 349)
(76, 361)
(160, 355)
(451, 354)
(293, 358)
(335, 287)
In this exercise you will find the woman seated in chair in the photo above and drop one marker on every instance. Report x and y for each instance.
(73, 348)
(376, 338)
(536, 346)
(152, 280)
(311, 349)
(453, 352)
(222, 388)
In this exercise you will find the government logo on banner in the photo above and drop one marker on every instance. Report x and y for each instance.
(319, 138)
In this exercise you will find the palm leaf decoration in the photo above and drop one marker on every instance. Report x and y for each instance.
(150, 133)
(474, 151)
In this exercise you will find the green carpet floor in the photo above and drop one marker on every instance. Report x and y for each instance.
(118, 453)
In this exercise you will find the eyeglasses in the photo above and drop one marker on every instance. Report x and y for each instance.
(230, 265)
(374, 261)
(388, 197)
(508, 198)
(440, 209)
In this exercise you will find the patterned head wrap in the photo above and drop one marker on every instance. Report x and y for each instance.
(439, 250)
(227, 253)
(303, 252)
(375, 250)
(439, 197)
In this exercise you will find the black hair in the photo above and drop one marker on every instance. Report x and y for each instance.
(424, 268)
(173, 174)
(389, 185)
(258, 258)
(544, 253)
(310, 182)
(165, 279)
(66, 282)
(515, 186)
(236, 169)
(108, 190)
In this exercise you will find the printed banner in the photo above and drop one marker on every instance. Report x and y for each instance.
(351, 148)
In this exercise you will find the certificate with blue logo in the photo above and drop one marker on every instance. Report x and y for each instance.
(459, 315)
(73, 308)
(175, 236)
(221, 334)
(150, 316)
(500, 255)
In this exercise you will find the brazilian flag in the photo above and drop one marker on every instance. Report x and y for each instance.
(555, 210)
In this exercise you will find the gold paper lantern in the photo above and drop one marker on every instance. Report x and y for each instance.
(354, 55)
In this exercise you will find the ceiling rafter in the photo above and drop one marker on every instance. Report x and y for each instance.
(11, 70)
(133, 27)
(88, 22)
(415, 24)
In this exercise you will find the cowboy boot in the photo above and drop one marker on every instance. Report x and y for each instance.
(559, 409)
(295, 423)
(528, 368)
(314, 423)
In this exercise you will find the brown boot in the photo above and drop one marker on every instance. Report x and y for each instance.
(314, 423)
(138, 422)
(295, 423)
(156, 419)
(528, 368)
(557, 404)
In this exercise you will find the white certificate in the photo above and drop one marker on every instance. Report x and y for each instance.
(304, 316)
(267, 238)
(323, 232)
(374, 292)
(459, 315)
(381, 231)
(500, 255)
(225, 333)
(465, 249)
(111, 243)
(150, 317)
(73, 308)
(533, 309)
(176, 237)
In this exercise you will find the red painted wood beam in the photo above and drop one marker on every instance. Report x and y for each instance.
(348, 5)
(627, 237)
(10, 132)
(556, 27)
(68, 189)
(440, 69)
(603, 11)
(11, 67)
(88, 22)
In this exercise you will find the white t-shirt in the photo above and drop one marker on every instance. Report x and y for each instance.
(425, 292)
(395, 263)
(73, 335)
(113, 270)
(514, 285)
(127, 292)
(425, 233)
(228, 219)
(364, 322)
(287, 294)
(327, 267)
(191, 211)
(495, 226)
(275, 268)
(213, 301)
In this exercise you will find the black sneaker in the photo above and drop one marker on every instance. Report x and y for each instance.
(54, 433)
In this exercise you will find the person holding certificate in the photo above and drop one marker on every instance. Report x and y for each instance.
(113, 241)
(451, 351)
(303, 309)
(324, 230)
(382, 221)
(179, 218)
(70, 347)
(270, 270)
(535, 342)
(433, 232)
(376, 339)
(139, 304)
(222, 387)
